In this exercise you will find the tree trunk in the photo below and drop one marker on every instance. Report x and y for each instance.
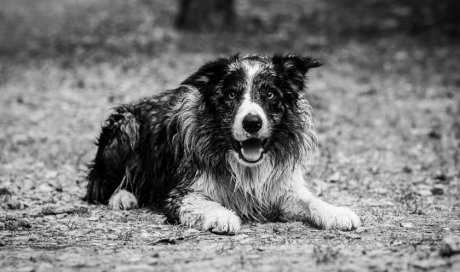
(206, 14)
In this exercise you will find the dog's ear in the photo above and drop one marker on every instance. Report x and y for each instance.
(292, 69)
(295, 64)
(209, 75)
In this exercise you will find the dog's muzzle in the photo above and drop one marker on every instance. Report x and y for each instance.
(251, 148)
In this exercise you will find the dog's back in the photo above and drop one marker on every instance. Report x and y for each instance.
(134, 151)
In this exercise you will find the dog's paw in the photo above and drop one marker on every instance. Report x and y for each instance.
(328, 216)
(122, 200)
(221, 221)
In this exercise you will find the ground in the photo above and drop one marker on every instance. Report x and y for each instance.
(386, 107)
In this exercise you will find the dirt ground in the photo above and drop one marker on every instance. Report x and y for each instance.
(386, 107)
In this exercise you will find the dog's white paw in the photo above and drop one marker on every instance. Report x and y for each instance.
(221, 221)
(122, 200)
(328, 216)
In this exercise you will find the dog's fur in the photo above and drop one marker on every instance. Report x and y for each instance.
(193, 152)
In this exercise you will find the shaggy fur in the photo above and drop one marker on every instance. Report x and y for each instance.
(229, 144)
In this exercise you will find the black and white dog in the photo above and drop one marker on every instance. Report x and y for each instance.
(229, 144)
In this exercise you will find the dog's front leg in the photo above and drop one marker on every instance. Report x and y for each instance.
(196, 210)
(302, 205)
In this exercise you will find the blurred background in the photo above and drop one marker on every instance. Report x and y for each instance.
(107, 28)
(386, 102)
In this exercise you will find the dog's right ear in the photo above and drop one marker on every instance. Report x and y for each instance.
(209, 75)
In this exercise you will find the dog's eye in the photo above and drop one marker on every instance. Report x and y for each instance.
(231, 95)
(270, 95)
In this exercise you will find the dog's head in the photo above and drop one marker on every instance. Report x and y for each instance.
(253, 106)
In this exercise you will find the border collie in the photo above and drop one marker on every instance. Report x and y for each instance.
(228, 145)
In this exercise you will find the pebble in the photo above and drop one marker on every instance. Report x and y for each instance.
(44, 267)
(450, 245)
(406, 225)
(40, 220)
(24, 223)
(240, 237)
(362, 229)
(52, 210)
(16, 223)
(26, 269)
(61, 215)
(33, 237)
(5, 195)
(45, 188)
(352, 236)
(336, 177)
(429, 264)
(437, 190)
(440, 176)
(381, 191)
(407, 169)
(425, 192)
(112, 237)
(191, 232)
(10, 217)
(21, 139)
(14, 204)
(374, 169)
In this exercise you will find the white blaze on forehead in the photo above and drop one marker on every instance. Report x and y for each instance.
(251, 69)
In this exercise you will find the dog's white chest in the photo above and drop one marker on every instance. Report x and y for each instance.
(255, 193)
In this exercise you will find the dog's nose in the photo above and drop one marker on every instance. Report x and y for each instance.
(252, 123)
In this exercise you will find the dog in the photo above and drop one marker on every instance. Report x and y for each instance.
(229, 145)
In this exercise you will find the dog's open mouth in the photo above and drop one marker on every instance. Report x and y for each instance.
(251, 150)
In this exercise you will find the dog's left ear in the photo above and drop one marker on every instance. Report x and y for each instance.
(208, 75)
(295, 64)
(293, 69)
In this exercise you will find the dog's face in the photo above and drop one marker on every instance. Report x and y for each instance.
(251, 104)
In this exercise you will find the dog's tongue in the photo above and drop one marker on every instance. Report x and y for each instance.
(251, 149)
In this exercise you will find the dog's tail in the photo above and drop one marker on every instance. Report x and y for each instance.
(99, 189)
(115, 156)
